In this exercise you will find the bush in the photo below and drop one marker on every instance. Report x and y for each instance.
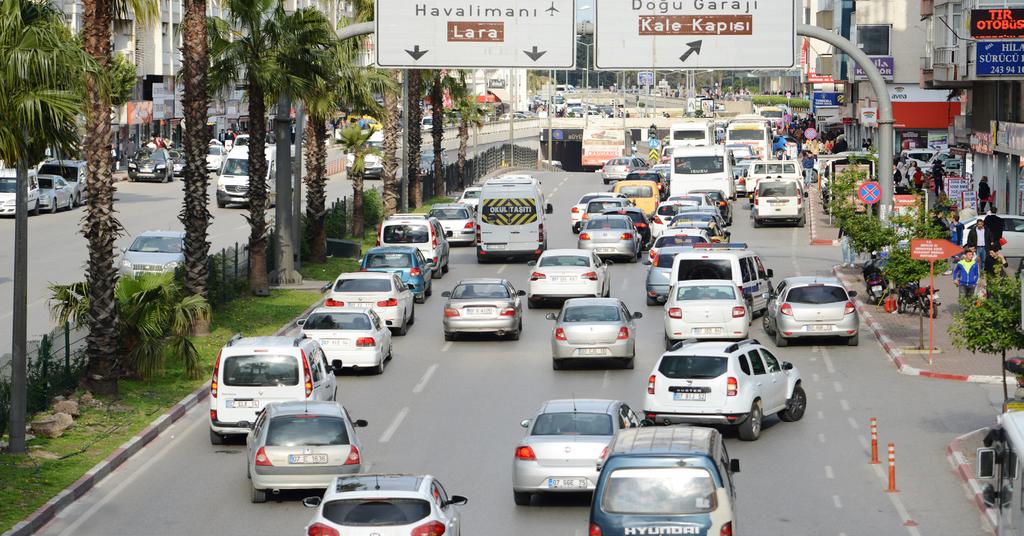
(775, 100)
(373, 208)
(5, 403)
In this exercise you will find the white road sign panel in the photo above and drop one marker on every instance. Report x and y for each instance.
(533, 34)
(695, 34)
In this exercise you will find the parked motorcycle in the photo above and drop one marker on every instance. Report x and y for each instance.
(874, 282)
(918, 299)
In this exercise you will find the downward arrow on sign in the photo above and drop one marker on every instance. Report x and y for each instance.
(416, 53)
(535, 54)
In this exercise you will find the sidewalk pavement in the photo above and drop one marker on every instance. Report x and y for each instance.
(962, 456)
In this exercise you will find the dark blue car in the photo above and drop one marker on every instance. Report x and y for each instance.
(405, 261)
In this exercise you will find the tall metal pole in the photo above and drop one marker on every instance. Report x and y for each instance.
(625, 131)
(19, 358)
(551, 112)
(403, 153)
(300, 130)
(511, 120)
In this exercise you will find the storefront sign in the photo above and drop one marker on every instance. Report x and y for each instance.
(869, 117)
(601, 145)
(938, 140)
(997, 23)
(826, 99)
(981, 142)
(140, 112)
(955, 187)
(1000, 58)
(969, 199)
(886, 65)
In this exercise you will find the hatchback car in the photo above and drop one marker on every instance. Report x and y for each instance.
(723, 383)
(665, 212)
(600, 205)
(74, 172)
(812, 307)
(470, 196)
(724, 207)
(657, 177)
(617, 169)
(154, 252)
(699, 221)
(779, 201)
(458, 222)
(568, 273)
(215, 155)
(55, 193)
(407, 262)
(152, 165)
(640, 222)
(483, 306)
(563, 444)
(659, 275)
(588, 328)
(301, 445)
(641, 193)
(385, 504)
(705, 309)
(577, 210)
(357, 337)
(385, 293)
(611, 236)
(178, 162)
(681, 238)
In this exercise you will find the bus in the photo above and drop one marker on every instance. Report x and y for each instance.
(697, 133)
(754, 133)
(702, 168)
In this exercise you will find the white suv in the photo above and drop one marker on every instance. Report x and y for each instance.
(723, 383)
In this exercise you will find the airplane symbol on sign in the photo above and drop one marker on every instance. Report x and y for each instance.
(552, 10)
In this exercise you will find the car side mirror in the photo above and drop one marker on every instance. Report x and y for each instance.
(550, 316)
(771, 273)
(521, 293)
(446, 294)
(612, 263)
(337, 366)
(852, 293)
(326, 287)
(550, 209)
(311, 502)
(986, 463)
(360, 423)
(531, 263)
(646, 262)
(525, 423)
(300, 322)
(457, 500)
(989, 495)
(734, 465)
(637, 315)
(786, 365)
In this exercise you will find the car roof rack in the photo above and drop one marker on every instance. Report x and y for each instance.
(736, 246)
(234, 338)
(682, 343)
(736, 345)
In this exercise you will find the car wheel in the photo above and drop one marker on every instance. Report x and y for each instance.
(802, 222)
(750, 429)
(628, 363)
(514, 336)
(436, 274)
(257, 495)
(421, 298)
(668, 343)
(522, 498)
(221, 204)
(557, 364)
(757, 223)
(430, 290)
(215, 438)
(765, 324)
(795, 406)
(780, 341)
(412, 317)
(379, 369)
(402, 330)
(53, 206)
(532, 304)
(853, 341)
(447, 263)
(450, 335)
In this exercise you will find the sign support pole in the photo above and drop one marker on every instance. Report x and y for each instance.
(931, 311)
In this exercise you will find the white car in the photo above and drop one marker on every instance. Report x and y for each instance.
(678, 238)
(705, 309)
(373, 165)
(723, 383)
(215, 157)
(458, 222)
(9, 187)
(421, 231)
(384, 292)
(55, 193)
(577, 210)
(666, 211)
(470, 196)
(356, 336)
(385, 504)
(73, 172)
(568, 273)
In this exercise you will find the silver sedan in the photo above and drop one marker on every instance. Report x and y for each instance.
(803, 307)
(563, 445)
(610, 236)
(483, 306)
(458, 222)
(589, 328)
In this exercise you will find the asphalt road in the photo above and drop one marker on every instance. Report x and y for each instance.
(453, 410)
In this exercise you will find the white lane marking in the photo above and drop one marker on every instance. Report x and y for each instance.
(845, 405)
(607, 379)
(821, 414)
(838, 387)
(828, 473)
(73, 528)
(815, 349)
(554, 190)
(423, 381)
(813, 359)
(502, 268)
(821, 438)
(386, 436)
(897, 503)
(819, 395)
(863, 442)
(853, 423)
(447, 346)
(836, 501)
(828, 361)
(625, 283)
(815, 376)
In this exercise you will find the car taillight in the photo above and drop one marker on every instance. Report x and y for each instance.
(742, 180)
(415, 272)
(850, 308)
(589, 275)
(732, 387)
(331, 302)
(261, 458)
(214, 384)
(390, 302)
(380, 229)
(451, 313)
(319, 529)
(657, 220)
(365, 342)
(626, 236)
(595, 530)
(434, 528)
(525, 453)
(584, 236)
(786, 309)
(604, 454)
(433, 242)
(721, 203)
(726, 529)
(575, 210)
(213, 415)
(641, 226)
(757, 200)
(799, 201)
(540, 233)
(586, 216)
(537, 275)
(654, 258)
(623, 334)
(353, 458)
(739, 311)
(675, 312)
(508, 311)
(560, 335)
(650, 384)
(469, 225)
(309, 375)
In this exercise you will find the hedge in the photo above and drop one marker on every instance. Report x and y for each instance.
(774, 100)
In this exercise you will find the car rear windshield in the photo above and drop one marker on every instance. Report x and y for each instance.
(634, 215)
(689, 135)
(342, 321)
(618, 162)
(565, 260)
(710, 292)
(670, 209)
(698, 165)
(692, 269)
(69, 173)
(261, 370)
(659, 491)
(555, 424)
(480, 291)
(471, 194)
(306, 431)
(156, 244)
(644, 176)
(680, 240)
(601, 206)
(715, 196)
(746, 134)
(692, 367)
(376, 512)
(363, 285)
(665, 260)
(608, 223)
(45, 184)
(450, 213)
(389, 260)
(8, 185)
(591, 313)
(816, 294)
(406, 234)
(637, 191)
(774, 169)
(777, 189)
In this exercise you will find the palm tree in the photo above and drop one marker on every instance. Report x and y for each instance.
(391, 132)
(355, 142)
(414, 111)
(438, 80)
(471, 115)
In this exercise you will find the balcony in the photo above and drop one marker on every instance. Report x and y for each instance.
(927, 8)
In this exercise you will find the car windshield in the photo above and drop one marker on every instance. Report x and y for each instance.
(816, 295)
(774, 169)
(659, 491)
(156, 244)
(306, 431)
(556, 424)
(406, 234)
(746, 134)
(261, 370)
(214, 150)
(777, 189)
(564, 260)
(678, 240)
(693, 269)
(8, 185)
(618, 162)
(670, 209)
(471, 194)
(601, 206)
(338, 321)
(710, 292)
(691, 217)
(376, 512)
(69, 173)
(388, 260)
(480, 291)
(698, 165)
(689, 135)
(644, 176)
(242, 141)
(237, 167)
(637, 191)
(45, 183)
(693, 367)
(450, 213)
(715, 196)
(363, 285)
(605, 224)
(590, 313)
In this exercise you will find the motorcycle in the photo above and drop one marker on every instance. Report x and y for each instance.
(874, 282)
(918, 299)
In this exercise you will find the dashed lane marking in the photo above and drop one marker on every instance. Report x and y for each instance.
(853, 423)
(835, 500)
(821, 414)
(426, 378)
(829, 474)
(386, 436)
(606, 380)
(502, 268)
(821, 438)
(838, 387)
(447, 346)
(819, 395)
(845, 405)
(828, 361)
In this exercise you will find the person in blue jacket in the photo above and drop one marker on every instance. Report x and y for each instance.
(966, 273)
(779, 147)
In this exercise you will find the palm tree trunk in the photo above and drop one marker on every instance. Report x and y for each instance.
(316, 181)
(100, 226)
(357, 203)
(415, 112)
(437, 130)
(195, 216)
(259, 284)
(390, 175)
(463, 149)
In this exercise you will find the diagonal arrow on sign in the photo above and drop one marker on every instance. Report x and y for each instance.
(694, 47)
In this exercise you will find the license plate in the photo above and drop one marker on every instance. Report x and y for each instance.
(300, 459)
(572, 483)
(876, 288)
(592, 351)
(562, 278)
(242, 404)
(690, 397)
(707, 331)
(363, 305)
(337, 342)
(607, 250)
(479, 311)
(497, 247)
(819, 327)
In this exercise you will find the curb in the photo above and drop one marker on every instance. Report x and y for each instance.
(958, 461)
(66, 497)
(895, 355)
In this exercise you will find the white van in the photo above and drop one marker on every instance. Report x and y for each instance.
(233, 181)
(777, 200)
(510, 220)
(698, 133)
(772, 169)
(732, 262)
(754, 133)
(421, 232)
(702, 168)
(252, 372)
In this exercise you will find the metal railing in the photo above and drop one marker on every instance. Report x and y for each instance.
(476, 168)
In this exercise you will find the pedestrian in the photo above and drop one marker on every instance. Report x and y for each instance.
(966, 274)
(938, 172)
(977, 238)
(996, 263)
(994, 224)
(897, 179)
(848, 254)
(984, 194)
(918, 176)
(807, 161)
(840, 145)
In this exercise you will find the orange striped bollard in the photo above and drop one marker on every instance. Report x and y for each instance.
(874, 441)
(892, 468)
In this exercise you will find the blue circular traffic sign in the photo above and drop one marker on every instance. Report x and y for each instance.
(870, 193)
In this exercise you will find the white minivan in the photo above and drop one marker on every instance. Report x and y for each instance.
(252, 372)
(233, 181)
(697, 133)
(732, 262)
(422, 232)
(702, 168)
(510, 220)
